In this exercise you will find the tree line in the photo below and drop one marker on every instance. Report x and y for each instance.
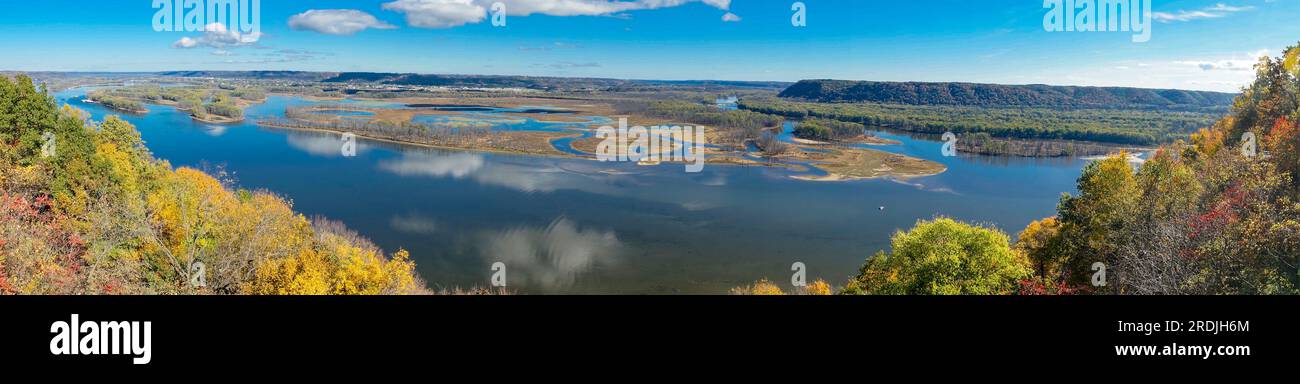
(997, 95)
(199, 101)
(734, 128)
(116, 103)
(825, 129)
(1127, 127)
(451, 134)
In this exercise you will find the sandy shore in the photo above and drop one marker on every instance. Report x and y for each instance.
(867, 140)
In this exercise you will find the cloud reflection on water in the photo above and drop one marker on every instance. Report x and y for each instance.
(321, 144)
(414, 224)
(552, 257)
(418, 163)
(215, 130)
(547, 175)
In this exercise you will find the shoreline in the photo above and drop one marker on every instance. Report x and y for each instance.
(224, 120)
(872, 141)
(116, 109)
(719, 159)
(835, 177)
(723, 158)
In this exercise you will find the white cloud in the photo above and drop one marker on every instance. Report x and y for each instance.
(1237, 63)
(719, 4)
(568, 65)
(1225, 72)
(185, 43)
(1220, 7)
(1214, 12)
(336, 21)
(730, 17)
(1226, 65)
(216, 35)
(453, 13)
(553, 46)
(438, 13)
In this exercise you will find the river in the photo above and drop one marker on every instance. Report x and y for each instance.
(579, 226)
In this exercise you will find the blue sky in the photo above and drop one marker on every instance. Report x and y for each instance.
(1194, 45)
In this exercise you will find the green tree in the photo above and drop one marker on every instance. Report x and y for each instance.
(943, 257)
(1041, 244)
(1108, 192)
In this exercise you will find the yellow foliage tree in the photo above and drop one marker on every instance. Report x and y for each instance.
(186, 213)
(819, 288)
(761, 288)
(102, 215)
(1040, 243)
(337, 268)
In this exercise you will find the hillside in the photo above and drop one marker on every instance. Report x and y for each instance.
(85, 208)
(255, 75)
(995, 95)
(474, 81)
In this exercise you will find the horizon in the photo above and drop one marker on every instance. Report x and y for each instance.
(1195, 44)
(606, 78)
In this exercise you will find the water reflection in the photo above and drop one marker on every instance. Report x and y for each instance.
(414, 224)
(215, 130)
(434, 164)
(552, 257)
(320, 144)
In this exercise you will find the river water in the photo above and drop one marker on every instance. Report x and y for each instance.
(581, 226)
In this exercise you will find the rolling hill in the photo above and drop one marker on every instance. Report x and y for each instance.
(995, 95)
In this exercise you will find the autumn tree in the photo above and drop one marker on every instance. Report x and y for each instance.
(100, 215)
(1216, 216)
(1089, 222)
(1041, 244)
(943, 257)
(1154, 243)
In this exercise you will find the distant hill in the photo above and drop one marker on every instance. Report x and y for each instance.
(474, 81)
(531, 81)
(994, 95)
(259, 75)
(470, 80)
